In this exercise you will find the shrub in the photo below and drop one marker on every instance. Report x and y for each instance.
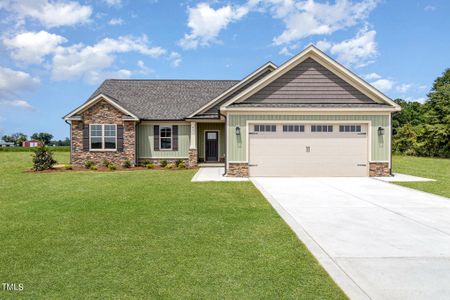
(170, 166)
(43, 159)
(106, 163)
(112, 167)
(89, 164)
(164, 163)
(182, 165)
(178, 162)
(126, 164)
(150, 166)
(145, 162)
(68, 167)
(93, 168)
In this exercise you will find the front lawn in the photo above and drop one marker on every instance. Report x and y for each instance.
(146, 234)
(435, 168)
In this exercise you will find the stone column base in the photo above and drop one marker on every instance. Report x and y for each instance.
(193, 158)
(379, 169)
(237, 170)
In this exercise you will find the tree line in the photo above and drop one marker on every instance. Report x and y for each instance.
(424, 129)
(45, 137)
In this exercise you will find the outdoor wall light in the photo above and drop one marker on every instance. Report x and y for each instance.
(380, 131)
(238, 130)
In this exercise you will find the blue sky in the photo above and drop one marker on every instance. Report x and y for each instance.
(55, 53)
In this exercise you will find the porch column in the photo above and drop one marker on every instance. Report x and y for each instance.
(193, 135)
(193, 155)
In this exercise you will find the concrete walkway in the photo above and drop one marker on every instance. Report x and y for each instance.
(376, 239)
(398, 177)
(214, 174)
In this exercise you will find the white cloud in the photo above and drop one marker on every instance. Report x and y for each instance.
(372, 76)
(17, 103)
(358, 51)
(323, 45)
(403, 88)
(51, 13)
(80, 61)
(206, 23)
(307, 18)
(413, 99)
(115, 21)
(383, 85)
(96, 76)
(116, 3)
(429, 8)
(14, 82)
(285, 51)
(31, 47)
(175, 59)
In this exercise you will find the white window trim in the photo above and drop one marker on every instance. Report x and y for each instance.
(103, 137)
(171, 137)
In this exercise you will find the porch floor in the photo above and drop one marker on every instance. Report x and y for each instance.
(213, 165)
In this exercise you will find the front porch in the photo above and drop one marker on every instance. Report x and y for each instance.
(207, 143)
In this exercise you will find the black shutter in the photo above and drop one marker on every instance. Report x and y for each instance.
(86, 137)
(175, 137)
(120, 138)
(156, 137)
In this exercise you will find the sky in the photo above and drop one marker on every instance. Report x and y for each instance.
(54, 54)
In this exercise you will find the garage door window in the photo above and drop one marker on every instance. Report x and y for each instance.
(349, 128)
(321, 128)
(293, 128)
(265, 128)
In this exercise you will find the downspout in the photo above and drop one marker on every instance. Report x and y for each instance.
(226, 146)
(135, 142)
(70, 129)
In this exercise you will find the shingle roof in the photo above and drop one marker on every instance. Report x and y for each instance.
(162, 99)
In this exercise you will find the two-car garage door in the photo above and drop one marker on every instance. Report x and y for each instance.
(302, 149)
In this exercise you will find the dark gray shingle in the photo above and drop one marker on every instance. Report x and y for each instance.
(163, 99)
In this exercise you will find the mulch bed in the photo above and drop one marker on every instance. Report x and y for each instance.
(61, 168)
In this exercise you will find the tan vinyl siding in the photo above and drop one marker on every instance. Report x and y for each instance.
(309, 82)
(201, 128)
(237, 145)
(145, 147)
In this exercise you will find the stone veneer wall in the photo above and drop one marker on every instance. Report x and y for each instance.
(379, 169)
(193, 158)
(102, 113)
(237, 170)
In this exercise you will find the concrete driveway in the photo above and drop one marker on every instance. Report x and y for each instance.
(376, 239)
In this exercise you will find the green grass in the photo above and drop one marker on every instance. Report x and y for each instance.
(435, 168)
(146, 234)
(30, 149)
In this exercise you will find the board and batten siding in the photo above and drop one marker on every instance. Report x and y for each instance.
(201, 128)
(145, 147)
(237, 151)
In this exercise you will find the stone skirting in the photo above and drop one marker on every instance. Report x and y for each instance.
(193, 158)
(379, 169)
(237, 170)
(102, 113)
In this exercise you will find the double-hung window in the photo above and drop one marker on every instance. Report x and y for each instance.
(103, 136)
(165, 137)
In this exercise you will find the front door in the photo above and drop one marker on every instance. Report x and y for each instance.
(211, 146)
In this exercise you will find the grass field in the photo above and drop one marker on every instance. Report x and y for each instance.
(146, 234)
(434, 168)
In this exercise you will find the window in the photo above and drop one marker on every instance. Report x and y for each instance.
(103, 136)
(265, 128)
(165, 137)
(349, 128)
(321, 128)
(293, 128)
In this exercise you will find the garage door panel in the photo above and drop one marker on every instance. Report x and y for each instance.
(330, 154)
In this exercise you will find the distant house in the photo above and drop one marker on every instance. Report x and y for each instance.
(4, 144)
(31, 143)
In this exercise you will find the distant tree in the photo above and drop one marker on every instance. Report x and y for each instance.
(16, 138)
(437, 107)
(65, 142)
(411, 113)
(43, 137)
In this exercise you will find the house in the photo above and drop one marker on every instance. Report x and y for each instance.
(308, 117)
(4, 144)
(31, 143)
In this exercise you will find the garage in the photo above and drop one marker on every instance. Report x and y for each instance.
(308, 149)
